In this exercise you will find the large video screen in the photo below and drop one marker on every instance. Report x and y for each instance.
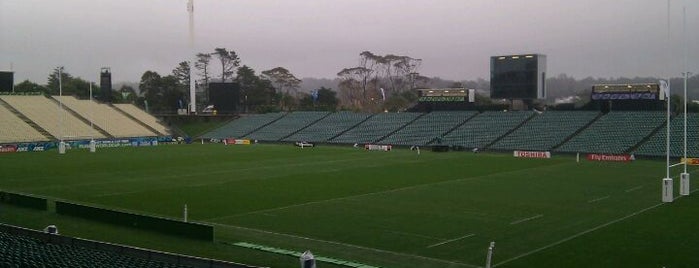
(6, 81)
(517, 77)
(224, 96)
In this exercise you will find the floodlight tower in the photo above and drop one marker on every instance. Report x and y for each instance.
(192, 93)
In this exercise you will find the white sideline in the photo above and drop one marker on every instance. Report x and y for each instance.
(598, 199)
(584, 232)
(526, 219)
(450, 240)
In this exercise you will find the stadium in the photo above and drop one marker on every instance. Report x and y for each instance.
(382, 170)
(355, 190)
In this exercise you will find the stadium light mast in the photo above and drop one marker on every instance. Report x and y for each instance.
(192, 87)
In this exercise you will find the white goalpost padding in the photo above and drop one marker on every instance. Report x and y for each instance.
(684, 184)
(667, 190)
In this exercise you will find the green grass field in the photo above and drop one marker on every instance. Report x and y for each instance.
(388, 209)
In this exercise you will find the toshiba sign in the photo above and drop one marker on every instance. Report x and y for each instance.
(532, 154)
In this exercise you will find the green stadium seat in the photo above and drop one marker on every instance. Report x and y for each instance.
(375, 128)
(545, 130)
(615, 132)
(485, 128)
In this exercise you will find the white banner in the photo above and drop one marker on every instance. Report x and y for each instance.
(532, 154)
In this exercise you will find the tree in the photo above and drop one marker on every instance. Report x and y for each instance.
(163, 94)
(174, 94)
(126, 94)
(360, 74)
(350, 93)
(325, 100)
(395, 73)
(182, 73)
(367, 62)
(74, 86)
(288, 102)
(150, 87)
(257, 94)
(28, 86)
(81, 89)
(282, 79)
(229, 62)
(398, 69)
(53, 84)
(202, 64)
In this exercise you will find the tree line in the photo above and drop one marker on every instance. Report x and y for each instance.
(275, 89)
(377, 83)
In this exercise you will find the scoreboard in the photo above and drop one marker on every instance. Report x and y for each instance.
(642, 91)
(446, 95)
(225, 96)
(518, 76)
(6, 81)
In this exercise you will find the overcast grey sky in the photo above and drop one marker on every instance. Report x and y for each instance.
(317, 38)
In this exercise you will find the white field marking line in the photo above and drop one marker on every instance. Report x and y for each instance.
(633, 189)
(351, 246)
(350, 197)
(527, 219)
(416, 235)
(598, 199)
(450, 240)
(584, 232)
